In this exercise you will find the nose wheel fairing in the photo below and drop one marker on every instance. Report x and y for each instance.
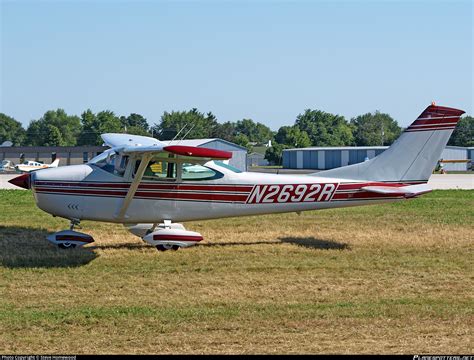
(68, 239)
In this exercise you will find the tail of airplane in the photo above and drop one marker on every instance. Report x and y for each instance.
(55, 163)
(413, 156)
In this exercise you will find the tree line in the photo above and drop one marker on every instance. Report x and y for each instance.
(310, 128)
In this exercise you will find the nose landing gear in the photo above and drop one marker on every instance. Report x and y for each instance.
(69, 239)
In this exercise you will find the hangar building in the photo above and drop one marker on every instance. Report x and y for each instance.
(455, 158)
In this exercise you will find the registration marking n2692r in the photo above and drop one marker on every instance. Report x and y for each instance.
(291, 193)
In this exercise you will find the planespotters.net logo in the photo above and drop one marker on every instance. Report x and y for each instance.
(443, 357)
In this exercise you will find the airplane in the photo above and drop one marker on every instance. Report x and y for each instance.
(29, 165)
(145, 184)
(7, 165)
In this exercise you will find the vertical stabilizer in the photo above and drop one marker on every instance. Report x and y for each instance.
(413, 156)
(55, 163)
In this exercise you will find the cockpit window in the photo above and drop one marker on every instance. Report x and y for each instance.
(227, 166)
(111, 162)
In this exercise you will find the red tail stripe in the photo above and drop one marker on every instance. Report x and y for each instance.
(437, 128)
(436, 122)
(434, 110)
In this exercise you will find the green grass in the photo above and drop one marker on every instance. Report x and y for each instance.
(394, 278)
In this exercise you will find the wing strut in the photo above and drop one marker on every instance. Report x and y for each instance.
(120, 213)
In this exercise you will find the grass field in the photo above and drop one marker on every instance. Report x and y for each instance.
(395, 278)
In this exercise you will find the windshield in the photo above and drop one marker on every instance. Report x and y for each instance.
(227, 166)
(99, 157)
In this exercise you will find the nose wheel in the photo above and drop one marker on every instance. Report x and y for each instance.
(66, 245)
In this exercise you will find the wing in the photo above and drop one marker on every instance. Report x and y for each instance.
(407, 191)
(146, 147)
(135, 144)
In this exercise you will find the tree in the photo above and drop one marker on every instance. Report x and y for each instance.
(463, 134)
(375, 129)
(192, 123)
(68, 126)
(225, 131)
(53, 136)
(135, 124)
(255, 132)
(94, 125)
(292, 136)
(325, 129)
(243, 140)
(274, 153)
(11, 130)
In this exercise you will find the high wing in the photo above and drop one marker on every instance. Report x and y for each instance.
(407, 191)
(136, 144)
(145, 147)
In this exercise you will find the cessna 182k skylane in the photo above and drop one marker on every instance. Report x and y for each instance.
(150, 186)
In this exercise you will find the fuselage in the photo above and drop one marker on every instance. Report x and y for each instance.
(88, 192)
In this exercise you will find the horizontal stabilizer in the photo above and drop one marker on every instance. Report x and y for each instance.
(407, 191)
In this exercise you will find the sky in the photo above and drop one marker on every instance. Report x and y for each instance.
(264, 60)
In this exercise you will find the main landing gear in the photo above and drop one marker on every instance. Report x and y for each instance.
(167, 235)
(69, 239)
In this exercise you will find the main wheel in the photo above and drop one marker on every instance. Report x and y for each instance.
(66, 245)
(164, 247)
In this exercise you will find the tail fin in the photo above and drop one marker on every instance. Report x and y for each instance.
(55, 163)
(413, 156)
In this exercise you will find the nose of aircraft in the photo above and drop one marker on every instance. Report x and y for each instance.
(22, 181)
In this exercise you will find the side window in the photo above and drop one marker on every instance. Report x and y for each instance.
(198, 172)
(159, 170)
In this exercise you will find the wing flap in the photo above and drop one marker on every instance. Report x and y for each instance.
(407, 191)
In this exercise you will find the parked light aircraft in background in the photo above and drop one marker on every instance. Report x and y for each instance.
(150, 187)
(7, 165)
(28, 166)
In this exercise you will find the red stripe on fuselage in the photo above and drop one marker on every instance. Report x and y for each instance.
(151, 195)
(125, 186)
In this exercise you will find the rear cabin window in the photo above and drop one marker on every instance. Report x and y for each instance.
(159, 170)
(198, 172)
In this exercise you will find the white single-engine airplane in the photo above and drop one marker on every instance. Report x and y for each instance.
(150, 187)
(29, 165)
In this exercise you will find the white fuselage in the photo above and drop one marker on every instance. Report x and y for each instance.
(86, 192)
